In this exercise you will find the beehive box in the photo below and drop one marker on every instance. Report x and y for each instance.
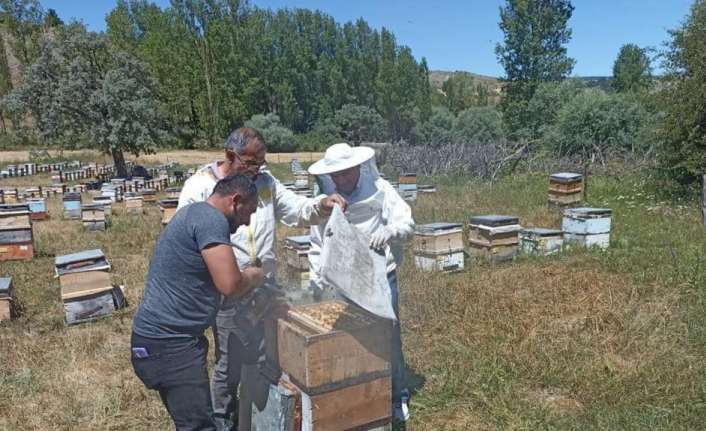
(168, 207)
(494, 237)
(93, 216)
(301, 180)
(408, 178)
(329, 345)
(408, 192)
(133, 204)
(437, 238)
(173, 192)
(443, 262)
(297, 251)
(33, 192)
(589, 227)
(37, 208)
(10, 196)
(16, 239)
(565, 189)
(426, 189)
(72, 205)
(541, 241)
(149, 195)
(5, 298)
(107, 203)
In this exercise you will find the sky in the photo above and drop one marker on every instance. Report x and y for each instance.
(462, 34)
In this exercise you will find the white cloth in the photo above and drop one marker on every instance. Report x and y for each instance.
(373, 203)
(275, 202)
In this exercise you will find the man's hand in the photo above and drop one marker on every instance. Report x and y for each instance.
(254, 277)
(381, 238)
(334, 199)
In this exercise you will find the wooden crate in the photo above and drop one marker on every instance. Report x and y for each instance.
(363, 406)
(434, 238)
(330, 345)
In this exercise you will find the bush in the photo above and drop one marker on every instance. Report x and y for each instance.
(438, 130)
(278, 138)
(478, 125)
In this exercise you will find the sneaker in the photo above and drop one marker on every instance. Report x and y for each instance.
(400, 412)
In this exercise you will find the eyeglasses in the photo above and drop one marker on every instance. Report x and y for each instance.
(250, 163)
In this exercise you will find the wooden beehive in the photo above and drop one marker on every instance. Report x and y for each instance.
(541, 241)
(330, 345)
(5, 298)
(93, 216)
(10, 196)
(85, 286)
(37, 208)
(494, 237)
(173, 192)
(408, 178)
(565, 189)
(149, 195)
(168, 208)
(589, 227)
(72, 205)
(438, 238)
(16, 239)
(297, 251)
(133, 203)
(107, 203)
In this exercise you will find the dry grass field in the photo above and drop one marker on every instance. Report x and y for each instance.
(586, 340)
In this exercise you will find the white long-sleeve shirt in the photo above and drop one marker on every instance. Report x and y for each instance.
(374, 203)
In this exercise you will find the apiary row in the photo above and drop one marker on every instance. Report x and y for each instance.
(499, 238)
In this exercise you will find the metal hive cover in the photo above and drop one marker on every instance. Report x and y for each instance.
(588, 212)
(5, 285)
(438, 226)
(540, 231)
(94, 254)
(566, 177)
(495, 220)
(299, 240)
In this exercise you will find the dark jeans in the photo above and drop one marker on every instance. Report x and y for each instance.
(398, 366)
(176, 368)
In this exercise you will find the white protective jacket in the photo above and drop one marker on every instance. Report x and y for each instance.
(374, 203)
(275, 202)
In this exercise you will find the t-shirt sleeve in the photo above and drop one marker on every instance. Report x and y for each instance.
(209, 226)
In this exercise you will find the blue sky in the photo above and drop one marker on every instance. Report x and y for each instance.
(462, 34)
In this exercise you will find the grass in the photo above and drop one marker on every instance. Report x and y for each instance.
(587, 340)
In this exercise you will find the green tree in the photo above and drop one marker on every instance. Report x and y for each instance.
(277, 137)
(632, 70)
(23, 19)
(438, 130)
(79, 90)
(478, 125)
(51, 19)
(357, 124)
(533, 51)
(682, 132)
(461, 91)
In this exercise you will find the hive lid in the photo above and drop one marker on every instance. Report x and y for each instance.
(5, 285)
(71, 196)
(438, 227)
(408, 174)
(93, 206)
(18, 208)
(540, 231)
(588, 212)
(81, 256)
(173, 190)
(495, 220)
(169, 203)
(300, 240)
(566, 177)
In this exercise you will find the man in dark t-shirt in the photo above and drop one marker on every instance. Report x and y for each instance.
(192, 266)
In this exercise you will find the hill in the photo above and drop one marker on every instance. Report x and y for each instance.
(438, 77)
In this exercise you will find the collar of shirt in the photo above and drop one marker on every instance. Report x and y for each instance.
(215, 170)
(363, 190)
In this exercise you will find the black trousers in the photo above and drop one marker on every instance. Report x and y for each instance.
(176, 368)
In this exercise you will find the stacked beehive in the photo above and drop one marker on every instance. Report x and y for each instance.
(168, 207)
(93, 216)
(439, 247)
(149, 196)
(565, 189)
(540, 241)
(86, 288)
(133, 203)
(16, 238)
(297, 257)
(10, 196)
(72, 205)
(38, 208)
(5, 298)
(494, 237)
(335, 358)
(426, 189)
(408, 186)
(588, 227)
(107, 203)
(173, 192)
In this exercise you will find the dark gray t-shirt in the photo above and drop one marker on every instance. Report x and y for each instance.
(180, 299)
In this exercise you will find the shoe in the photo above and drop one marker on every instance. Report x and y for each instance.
(400, 412)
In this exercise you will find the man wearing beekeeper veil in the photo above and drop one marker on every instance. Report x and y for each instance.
(377, 210)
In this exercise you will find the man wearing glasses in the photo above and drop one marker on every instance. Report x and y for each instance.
(238, 330)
